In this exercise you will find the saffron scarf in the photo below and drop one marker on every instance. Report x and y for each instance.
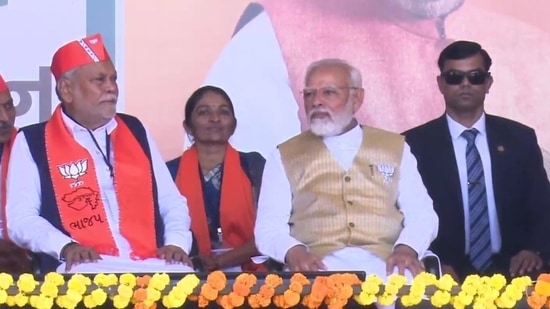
(78, 193)
(237, 211)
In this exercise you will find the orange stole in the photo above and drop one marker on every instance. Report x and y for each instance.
(4, 174)
(237, 211)
(78, 194)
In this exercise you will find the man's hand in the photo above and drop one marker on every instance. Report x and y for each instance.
(174, 254)
(449, 270)
(299, 259)
(73, 253)
(210, 262)
(524, 262)
(404, 257)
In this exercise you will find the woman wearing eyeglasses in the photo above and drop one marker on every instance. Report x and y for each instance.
(221, 184)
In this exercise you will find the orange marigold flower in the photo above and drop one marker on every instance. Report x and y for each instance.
(542, 288)
(140, 295)
(217, 280)
(254, 301)
(208, 292)
(235, 299)
(223, 301)
(291, 298)
(299, 278)
(279, 301)
(241, 288)
(346, 291)
(153, 306)
(266, 291)
(544, 277)
(296, 287)
(536, 301)
(202, 302)
(143, 281)
(141, 306)
(273, 280)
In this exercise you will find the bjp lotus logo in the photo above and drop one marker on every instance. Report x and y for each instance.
(74, 171)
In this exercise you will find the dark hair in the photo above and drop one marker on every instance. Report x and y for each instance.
(198, 95)
(461, 50)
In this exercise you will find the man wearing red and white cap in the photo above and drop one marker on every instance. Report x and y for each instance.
(12, 258)
(98, 196)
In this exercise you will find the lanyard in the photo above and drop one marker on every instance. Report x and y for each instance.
(106, 157)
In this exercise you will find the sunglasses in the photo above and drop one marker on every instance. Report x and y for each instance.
(476, 77)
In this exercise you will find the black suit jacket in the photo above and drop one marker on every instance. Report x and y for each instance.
(521, 187)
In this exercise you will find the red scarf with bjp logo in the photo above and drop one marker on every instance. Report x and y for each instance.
(78, 194)
(4, 174)
(237, 211)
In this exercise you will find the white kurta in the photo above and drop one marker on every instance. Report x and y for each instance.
(29, 230)
(272, 232)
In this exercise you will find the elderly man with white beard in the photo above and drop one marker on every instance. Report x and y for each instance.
(343, 196)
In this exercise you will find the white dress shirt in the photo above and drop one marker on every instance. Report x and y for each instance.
(272, 232)
(459, 145)
(29, 230)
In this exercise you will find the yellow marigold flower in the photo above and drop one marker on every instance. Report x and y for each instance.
(111, 279)
(446, 283)
(391, 288)
(374, 279)
(100, 279)
(120, 302)
(81, 278)
(365, 299)
(411, 300)
(464, 298)
(370, 287)
(42, 302)
(440, 298)
(514, 292)
(3, 297)
(6, 280)
(397, 279)
(77, 286)
(153, 294)
(522, 282)
(26, 283)
(73, 297)
(49, 289)
(417, 289)
(89, 301)
(484, 305)
(10, 301)
(54, 278)
(171, 301)
(188, 283)
(125, 291)
(20, 299)
(386, 299)
(159, 282)
(505, 301)
(497, 281)
(472, 279)
(99, 296)
(468, 288)
(128, 280)
(425, 279)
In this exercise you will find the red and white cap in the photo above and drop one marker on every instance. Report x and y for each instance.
(78, 53)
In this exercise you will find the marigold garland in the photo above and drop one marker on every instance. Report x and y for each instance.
(334, 291)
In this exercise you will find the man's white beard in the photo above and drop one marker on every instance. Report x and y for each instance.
(333, 125)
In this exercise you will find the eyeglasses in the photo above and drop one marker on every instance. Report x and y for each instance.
(327, 93)
(475, 77)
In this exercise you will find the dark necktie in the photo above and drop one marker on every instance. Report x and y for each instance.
(480, 235)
